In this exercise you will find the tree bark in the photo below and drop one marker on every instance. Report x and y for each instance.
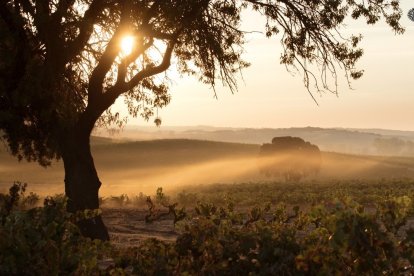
(82, 183)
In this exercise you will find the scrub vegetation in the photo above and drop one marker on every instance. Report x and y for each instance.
(354, 216)
(334, 227)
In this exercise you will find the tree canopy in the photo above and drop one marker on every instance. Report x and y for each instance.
(290, 157)
(61, 66)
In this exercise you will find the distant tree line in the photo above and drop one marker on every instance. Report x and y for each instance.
(289, 157)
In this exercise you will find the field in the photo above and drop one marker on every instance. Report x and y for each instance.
(228, 214)
(194, 170)
(134, 167)
(124, 216)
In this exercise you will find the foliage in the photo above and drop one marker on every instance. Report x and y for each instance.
(305, 193)
(291, 157)
(16, 199)
(61, 67)
(278, 241)
(273, 239)
(162, 200)
(43, 240)
(119, 201)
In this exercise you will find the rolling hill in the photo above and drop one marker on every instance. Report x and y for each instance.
(142, 166)
(354, 141)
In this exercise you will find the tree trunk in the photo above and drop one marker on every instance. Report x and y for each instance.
(82, 184)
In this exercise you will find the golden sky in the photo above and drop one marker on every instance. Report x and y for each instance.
(269, 96)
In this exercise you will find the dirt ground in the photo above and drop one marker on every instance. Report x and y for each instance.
(127, 226)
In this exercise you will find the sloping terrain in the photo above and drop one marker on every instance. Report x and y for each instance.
(133, 167)
(354, 141)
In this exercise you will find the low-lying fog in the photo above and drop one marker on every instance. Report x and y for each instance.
(142, 171)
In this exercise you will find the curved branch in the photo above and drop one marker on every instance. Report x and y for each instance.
(153, 70)
(98, 74)
(114, 92)
(122, 67)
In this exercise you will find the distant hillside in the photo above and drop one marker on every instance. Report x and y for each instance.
(97, 140)
(355, 141)
(352, 141)
(388, 132)
(168, 152)
(142, 166)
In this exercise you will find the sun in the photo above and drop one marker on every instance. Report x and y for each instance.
(127, 44)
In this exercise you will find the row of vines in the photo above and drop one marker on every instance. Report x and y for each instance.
(342, 237)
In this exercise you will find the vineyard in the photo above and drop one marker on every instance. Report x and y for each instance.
(336, 227)
(219, 190)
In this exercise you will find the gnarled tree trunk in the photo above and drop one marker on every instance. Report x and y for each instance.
(82, 182)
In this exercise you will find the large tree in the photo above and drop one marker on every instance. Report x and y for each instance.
(62, 67)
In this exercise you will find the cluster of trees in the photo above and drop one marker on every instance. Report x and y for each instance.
(290, 157)
(62, 68)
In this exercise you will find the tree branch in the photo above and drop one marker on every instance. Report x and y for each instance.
(15, 23)
(27, 7)
(150, 71)
(8, 17)
(108, 57)
(61, 11)
(85, 29)
(41, 18)
(114, 92)
(122, 67)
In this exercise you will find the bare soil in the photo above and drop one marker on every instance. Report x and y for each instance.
(127, 226)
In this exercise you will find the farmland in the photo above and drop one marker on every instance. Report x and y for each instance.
(142, 166)
(231, 215)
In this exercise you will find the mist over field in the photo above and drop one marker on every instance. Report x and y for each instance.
(343, 140)
(200, 171)
(131, 167)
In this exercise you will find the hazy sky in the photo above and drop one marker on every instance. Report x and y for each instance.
(269, 96)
